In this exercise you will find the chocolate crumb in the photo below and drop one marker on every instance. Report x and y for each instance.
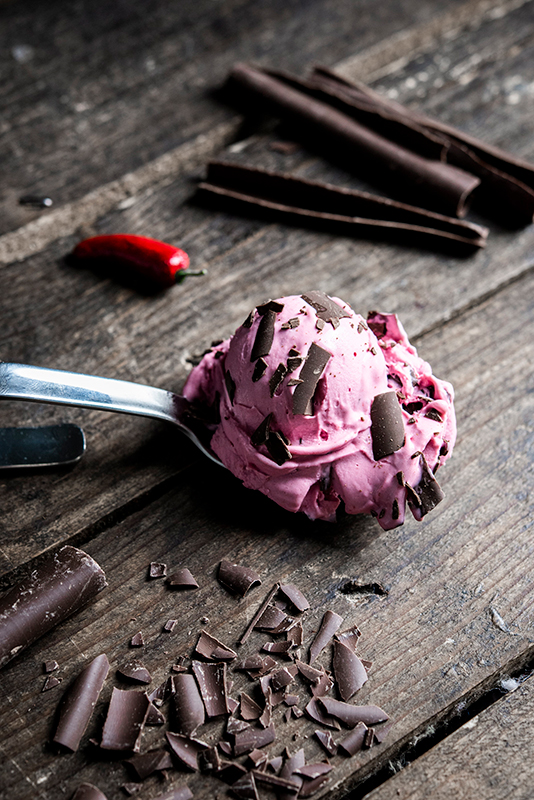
(259, 369)
(134, 671)
(137, 640)
(170, 625)
(157, 570)
(319, 324)
(294, 322)
(50, 683)
(50, 666)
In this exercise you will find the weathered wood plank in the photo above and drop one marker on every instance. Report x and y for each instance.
(433, 638)
(74, 320)
(75, 104)
(487, 757)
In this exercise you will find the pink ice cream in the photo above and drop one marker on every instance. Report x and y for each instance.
(319, 406)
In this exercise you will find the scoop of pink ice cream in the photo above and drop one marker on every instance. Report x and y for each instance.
(319, 406)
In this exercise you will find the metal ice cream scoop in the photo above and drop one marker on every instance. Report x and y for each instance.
(24, 382)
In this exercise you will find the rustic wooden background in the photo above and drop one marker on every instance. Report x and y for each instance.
(113, 110)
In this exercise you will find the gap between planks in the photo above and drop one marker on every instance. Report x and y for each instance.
(377, 61)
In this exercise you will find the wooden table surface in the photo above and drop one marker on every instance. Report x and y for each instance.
(113, 111)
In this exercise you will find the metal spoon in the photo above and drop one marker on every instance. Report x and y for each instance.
(24, 382)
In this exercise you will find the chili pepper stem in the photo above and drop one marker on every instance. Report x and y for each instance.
(189, 273)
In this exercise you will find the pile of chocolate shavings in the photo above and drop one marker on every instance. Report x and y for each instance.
(286, 684)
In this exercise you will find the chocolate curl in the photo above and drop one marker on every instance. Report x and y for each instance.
(347, 211)
(55, 589)
(507, 182)
(78, 703)
(446, 188)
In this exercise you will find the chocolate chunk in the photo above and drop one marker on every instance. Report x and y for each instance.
(310, 674)
(281, 678)
(253, 738)
(50, 683)
(319, 324)
(86, 791)
(211, 679)
(259, 369)
(369, 738)
(291, 699)
(170, 625)
(234, 726)
(294, 362)
(271, 619)
(186, 749)
(154, 716)
(434, 414)
(245, 787)
(293, 352)
(182, 579)
(78, 703)
(134, 671)
(125, 720)
(157, 570)
(249, 709)
(258, 614)
(264, 335)
(326, 308)
(350, 715)
(188, 705)
(277, 378)
(209, 760)
(295, 596)
(329, 625)
(294, 322)
(266, 717)
(148, 763)
(50, 666)
(309, 788)
(137, 640)
(237, 579)
(349, 671)
(311, 372)
(327, 741)
(387, 427)
(211, 648)
(317, 713)
(57, 587)
(275, 764)
(270, 305)
(277, 447)
(295, 634)
(262, 432)
(378, 328)
(257, 758)
(355, 740)
(428, 490)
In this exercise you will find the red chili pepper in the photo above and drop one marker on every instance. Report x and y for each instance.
(162, 264)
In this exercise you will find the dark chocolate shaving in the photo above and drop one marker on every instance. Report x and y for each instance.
(211, 679)
(355, 740)
(277, 647)
(295, 596)
(249, 709)
(182, 579)
(237, 579)
(350, 637)
(275, 781)
(170, 625)
(259, 369)
(154, 716)
(148, 763)
(294, 362)
(50, 666)
(428, 490)
(294, 322)
(212, 649)
(188, 705)
(50, 683)
(350, 715)
(250, 319)
(387, 427)
(277, 447)
(271, 619)
(86, 791)
(434, 414)
(245, 787)
(134, 671)
(327, 741)
(264, 335)
(288, 771)
(186, 749)
(316, 361)
(78, 703)
(317, 713)
(277, 378)
(124, 721)
(325, 308)
(329, 625)
(258, 614)
(60, 585)
(270, 305)
(350, 674)
(253, 738)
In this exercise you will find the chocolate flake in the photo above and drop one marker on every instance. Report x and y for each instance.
(234, 726)
(261, 434)
(316, 711)
(270, 305)
(162, 692)
(182, 579)
(349, 671)
(283, 677)
(253, 738)
(211, 648)
(295, 596)
(237, 579)
(326, 308)
(211, 679)
(294, 362)
(186, 749)
(295, 634)
(309, 787)
(230, 386)
(294, 382)
(245, 787)
(294, 322)
(188, 705)
(170, 625)
(249, 709)
(259, 369)
(275, 780)
(327, 741)
(319, 324)
(271, 619)
(428, 490)
(250, 319)
(387, 427)
(311, 372)
(50, 683)
(329, 625)
(78, 703)
(124, 721)
(154, 716)
(264, 335)
(350, 637)
(50, 666)
(277, 378)
(157, 570)
(60, 585)
(277, 447)
(134, 671)
(434, 414)
(314, 770)
(277, 647)
(258, 614)
(350, 715)
(288, 771)
(148, 763)
(355, 740)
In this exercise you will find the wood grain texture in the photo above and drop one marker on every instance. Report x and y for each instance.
(432, 639)
(487, 757)
(113, 331)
